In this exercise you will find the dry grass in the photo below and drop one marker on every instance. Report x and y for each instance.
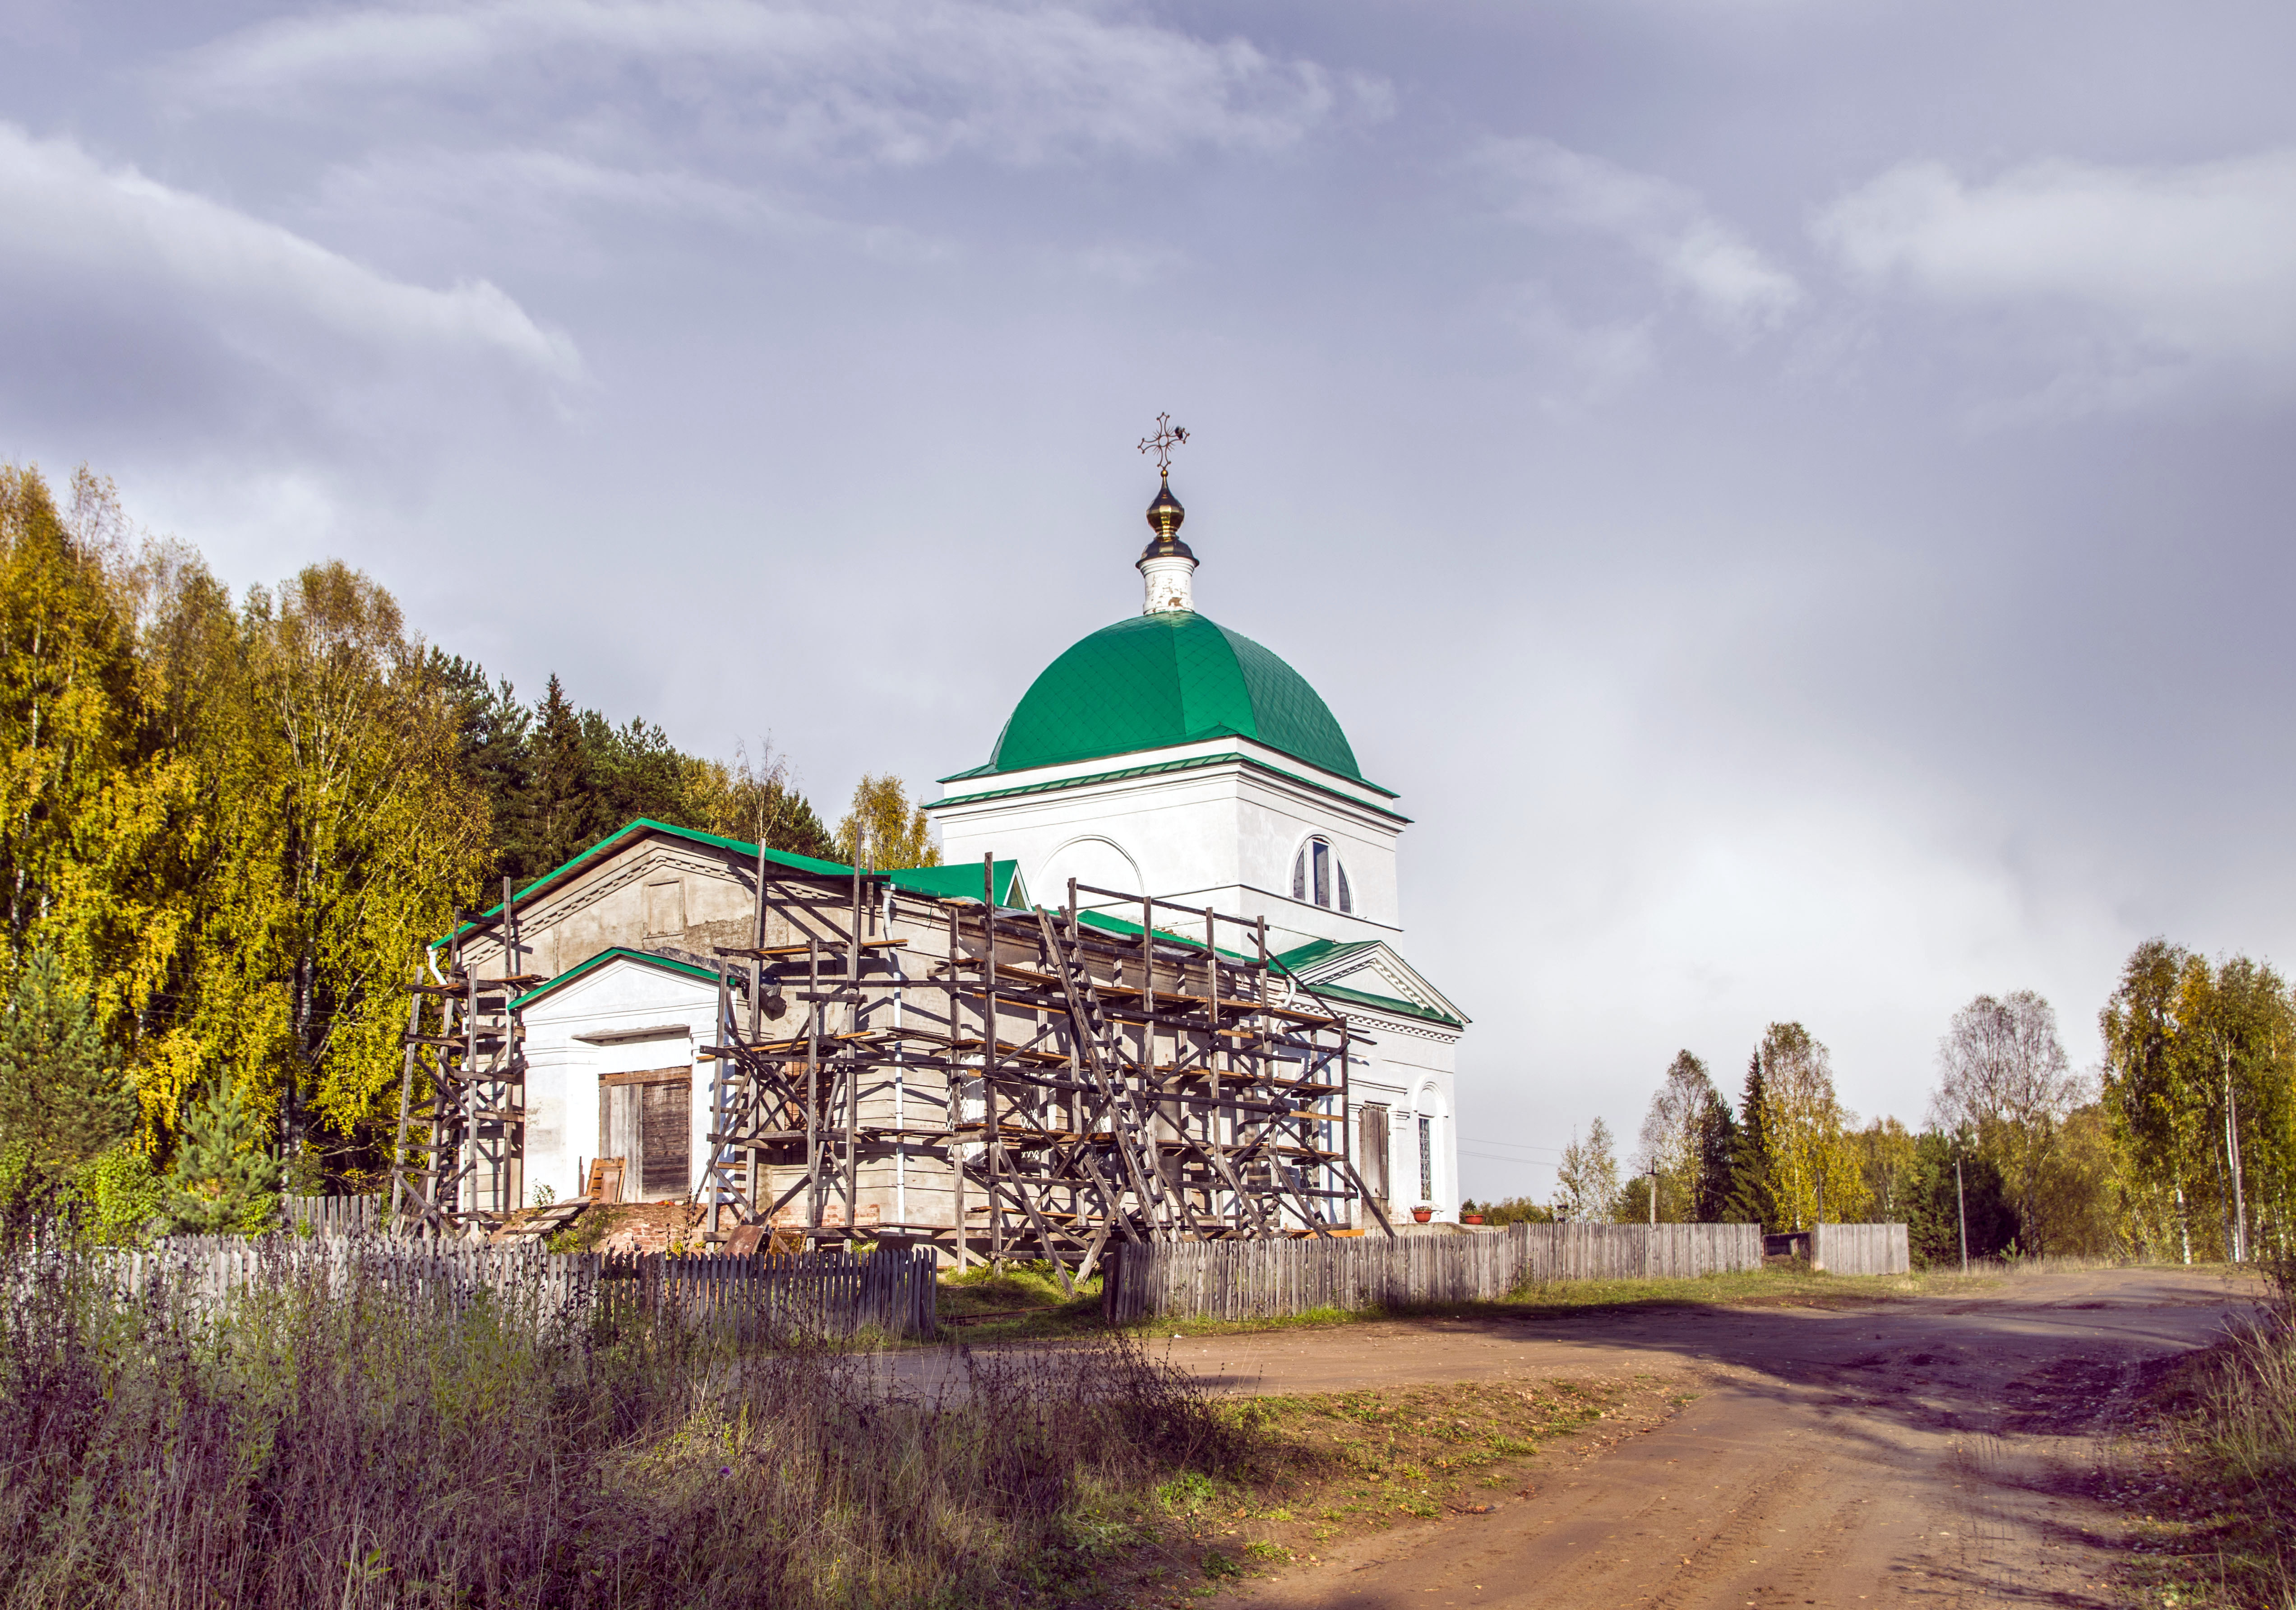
(1328, 1470)
(357, 1448)
(2211, 1479)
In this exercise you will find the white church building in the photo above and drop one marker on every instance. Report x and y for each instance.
(1172, 756)
(1165, 755)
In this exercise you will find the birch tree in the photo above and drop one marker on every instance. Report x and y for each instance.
(1814, 1167)
(2004, 1082)
(1680, 1141)
(1587, 1181)
(883, 829)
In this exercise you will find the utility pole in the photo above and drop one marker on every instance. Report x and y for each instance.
(1961, 1205)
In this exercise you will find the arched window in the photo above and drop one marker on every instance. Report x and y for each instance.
(1317, 875)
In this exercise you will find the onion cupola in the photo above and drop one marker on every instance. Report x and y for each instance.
(1167, 678)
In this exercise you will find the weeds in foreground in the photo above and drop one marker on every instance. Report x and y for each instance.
(336, 1440)
(2216, 1481)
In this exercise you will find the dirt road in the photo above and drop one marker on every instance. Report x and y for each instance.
(1921, 1450)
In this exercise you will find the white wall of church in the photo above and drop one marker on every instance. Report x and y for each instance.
(1410, 1071)
(1223, 836)
(562, 1072)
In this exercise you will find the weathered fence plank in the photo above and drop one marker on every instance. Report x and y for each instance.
(1861, 1249)
(1258, 1279)
(334, 1215)
(761, 1296)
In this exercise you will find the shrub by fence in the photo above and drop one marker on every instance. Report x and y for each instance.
(1257, 1279)
(763, 1296)
(1860, 1249)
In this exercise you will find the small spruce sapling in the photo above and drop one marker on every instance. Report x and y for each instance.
(62, 1097)
(224, 1182)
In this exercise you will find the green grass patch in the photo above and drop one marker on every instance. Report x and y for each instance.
(2209, 1481)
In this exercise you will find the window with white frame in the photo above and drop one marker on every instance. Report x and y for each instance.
(1426, 1158)
(1317, 875)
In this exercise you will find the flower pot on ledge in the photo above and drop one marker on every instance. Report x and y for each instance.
(1422, 1215)
(1471, 1218)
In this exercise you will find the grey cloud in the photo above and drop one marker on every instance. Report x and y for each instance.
(2167, 270)
(899, 84)
(1666, 225)
(101, 262)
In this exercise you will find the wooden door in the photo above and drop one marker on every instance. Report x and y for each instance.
(646, 1120)
(1372, 1148)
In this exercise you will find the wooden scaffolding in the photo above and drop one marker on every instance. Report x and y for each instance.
(1007, 1082)
(461, 1163)
(1079, 1076)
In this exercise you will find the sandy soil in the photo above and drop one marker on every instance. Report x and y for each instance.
(1928, 1450)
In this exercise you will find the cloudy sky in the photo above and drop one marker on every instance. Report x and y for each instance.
(1795, 493)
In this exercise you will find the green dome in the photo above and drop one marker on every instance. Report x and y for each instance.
(1157, 680)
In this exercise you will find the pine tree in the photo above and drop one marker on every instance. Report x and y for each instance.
(62, 1096)
(561, 815)
(1935, 1201)
(1750, 1202)
(224, 1183)
(1717, 1158)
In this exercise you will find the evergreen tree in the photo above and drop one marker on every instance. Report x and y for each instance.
(493, 750)
(1933, 1204)
(564, 812)
(637, 771)
(1751, 1201)
(1717, 1158)
(224, 1183)
(62, 1096)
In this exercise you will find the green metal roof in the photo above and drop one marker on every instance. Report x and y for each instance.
(1383, 1003)
(1322, 949)
(1315, 952)
(613, 953)
(961, 881)
(1290, 962)
(936, 881)
(1152, 681)
(1158, 768)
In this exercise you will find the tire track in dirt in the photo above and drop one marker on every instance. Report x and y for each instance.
(1917, 1455)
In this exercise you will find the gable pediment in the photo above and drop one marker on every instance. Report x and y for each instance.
(1371, 967)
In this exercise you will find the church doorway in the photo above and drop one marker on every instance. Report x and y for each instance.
(646, 1119)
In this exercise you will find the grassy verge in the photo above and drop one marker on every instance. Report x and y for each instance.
(2210, 1480)
(1022, 1302)
(324, 1437)
(329, 1439)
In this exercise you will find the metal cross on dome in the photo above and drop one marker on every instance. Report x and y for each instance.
(1168, 436)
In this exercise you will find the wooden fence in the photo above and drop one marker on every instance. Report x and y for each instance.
(761, 1297)
(1860, 1249)
(819, 1294)
(1255, 1279)
(334, 1215)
